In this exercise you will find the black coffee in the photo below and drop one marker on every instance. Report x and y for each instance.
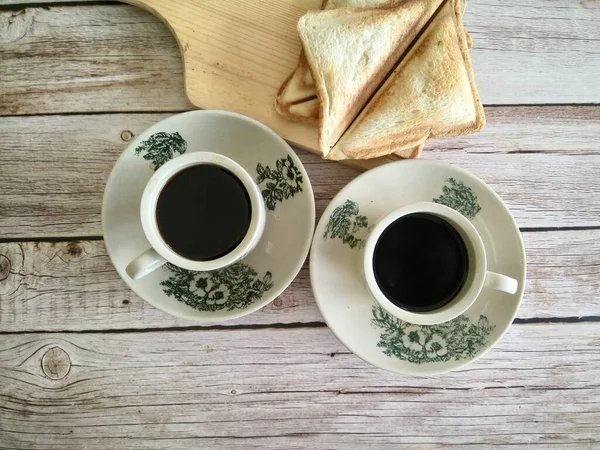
(420, 262)
(203, 212)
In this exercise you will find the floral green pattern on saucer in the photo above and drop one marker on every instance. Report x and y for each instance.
(348, 306)
(457, 339)
(458, 196)
(265, 272)
(161, 147)
(281, 183)
(234, 287)
(347, 224)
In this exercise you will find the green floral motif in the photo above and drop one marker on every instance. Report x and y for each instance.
(454, 340)
(161, 147)
(459, 197)
(234, 287)
(283, 182)
(346, 224)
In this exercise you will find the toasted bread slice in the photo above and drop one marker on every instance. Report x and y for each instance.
(298, 88)
(297, 97)
(300, 85)
(309, 108)
(350, 51)
(432, 93)
(336, 4)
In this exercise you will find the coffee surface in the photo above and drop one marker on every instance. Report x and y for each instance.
(203, 212)
(420, 262)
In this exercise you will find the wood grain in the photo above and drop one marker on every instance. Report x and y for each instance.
(54, 168)
(88, 58)
(72, 286)
(120, 58)
(210, 389)
(236, 55)
(281, 379)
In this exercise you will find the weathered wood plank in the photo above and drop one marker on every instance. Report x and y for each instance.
(69, 286)
(88, 58)
(295, 387)
(566, 130)
(73, 286)
(120, 58)
(54, 168)
(524, 51)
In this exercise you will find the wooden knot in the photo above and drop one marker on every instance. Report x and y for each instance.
(74, 249)
(56, 364)
(19, 25)
(126, 135)
(4, 267)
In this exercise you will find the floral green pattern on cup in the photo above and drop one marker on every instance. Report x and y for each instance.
(460, 197)
(161, 148)
(281, 183)
(233, 287)
(454, 340)
(347, 224)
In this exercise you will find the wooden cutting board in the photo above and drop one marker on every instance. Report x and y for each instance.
(236, 55)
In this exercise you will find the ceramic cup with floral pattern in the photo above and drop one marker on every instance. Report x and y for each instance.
(477, 275)
(160, 252)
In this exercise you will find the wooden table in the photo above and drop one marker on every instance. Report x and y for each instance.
(84, 363)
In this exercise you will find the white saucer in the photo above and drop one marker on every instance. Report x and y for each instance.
(354, 315)
(268, 270)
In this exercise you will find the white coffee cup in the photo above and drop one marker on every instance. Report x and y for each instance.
(478, 276)
(159, 252)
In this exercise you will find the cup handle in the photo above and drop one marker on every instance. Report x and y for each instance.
(499, 282)
(145, 263)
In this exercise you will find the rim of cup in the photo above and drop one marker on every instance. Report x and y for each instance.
(164, 174)
(477, 264)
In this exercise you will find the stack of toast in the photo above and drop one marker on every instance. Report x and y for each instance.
(382, 77)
